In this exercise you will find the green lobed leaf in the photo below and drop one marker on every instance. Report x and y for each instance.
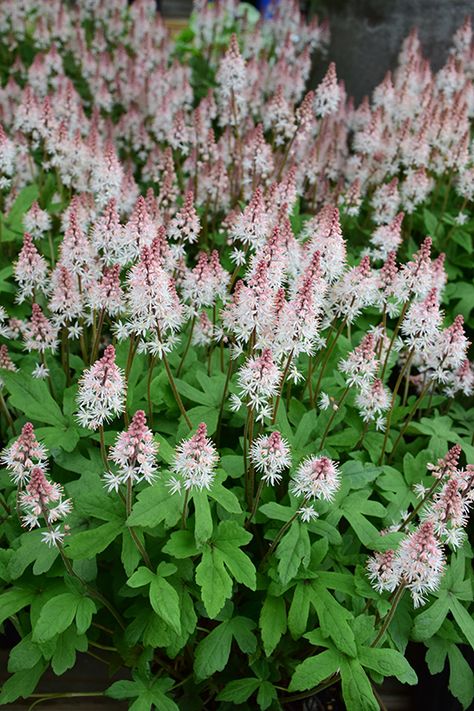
(24, 655)
(238, 564)
(293, 550)
(32, 397)
(356, 687)
(428, 622)
(86, 544)
(314, 670)
(165, 602)
(333, 619)
(155, 505)
(436, 654)
(84, 612)
(202, 517)
(461, 677)
(181, 544)
(225, 498)
(272, 622)
(22, 683)
(212, 652)
(214, 581)
(64, 656)
(267, 694)
(387, 662)
(242, 629)
(239, 690)
(299, 609)
(56, 615)
(463, 619)
(14, 600)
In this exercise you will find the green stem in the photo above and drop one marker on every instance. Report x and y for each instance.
(224, 395)
(256, 502)
(65, 355)
(177, 397)
(281, 533)
(398, 596)
(333, 415)
(392, 340)
(409, 419)
(149, 380)
(184, 515)
(419, 505)
(95, 347)
(328, 355)
(392, 404)
(66, 695)
(280, 391)
(6, 412)
(103, 450)
(188, 344)
(51, 249)
(250, 472)
(128, 506)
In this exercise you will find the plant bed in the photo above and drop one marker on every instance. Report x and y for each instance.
(234, 364)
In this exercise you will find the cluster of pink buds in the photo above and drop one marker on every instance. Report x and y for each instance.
(24, 455)
(39, 333)
(316, 478)
(44, 499)
(31, 270)
(258, 379)
(6, 362)
(26, 459)
(419, 562)
(185, 226)
(36, 221)
(134, 454)
(101, 394)
(195, 462)
(361, 364)
(270, 455)
(418, 565)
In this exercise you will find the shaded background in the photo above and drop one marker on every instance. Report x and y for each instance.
(366, 35)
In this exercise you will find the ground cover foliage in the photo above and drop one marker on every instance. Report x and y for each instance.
(234, 361)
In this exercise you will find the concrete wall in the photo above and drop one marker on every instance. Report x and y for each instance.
(366, 35)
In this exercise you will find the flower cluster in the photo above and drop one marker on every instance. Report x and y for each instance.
(101, 394)
(189, 232)
(195, 462)
(38, 497)
(419, 562)
(134, 454)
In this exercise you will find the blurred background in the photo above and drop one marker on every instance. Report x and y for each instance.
(366, 35)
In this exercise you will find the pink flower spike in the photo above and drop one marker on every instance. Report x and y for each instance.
(270, 455)
(43, 498)
(31, 270)
(24, 455)
(327, 96)
(195, 461)
(420, 561)
(101, 395)
(316, 478)
(40, 334)
(134, 453)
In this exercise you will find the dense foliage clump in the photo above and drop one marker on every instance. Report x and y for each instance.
(234, 359)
